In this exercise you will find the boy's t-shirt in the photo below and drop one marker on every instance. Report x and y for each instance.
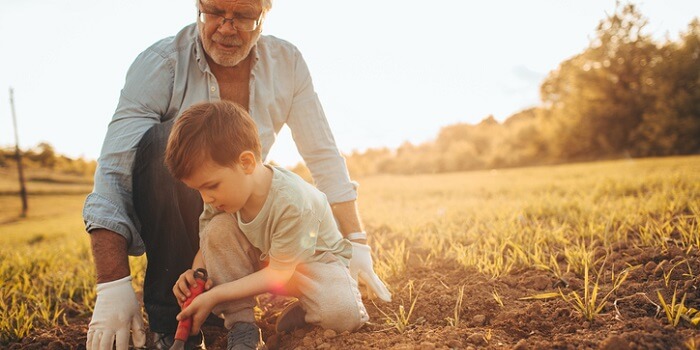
(295, 225)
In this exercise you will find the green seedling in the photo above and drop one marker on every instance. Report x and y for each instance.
(589, 304)
(401, 321)
(692, 344)
(454, 321)
(667, 275)
(675, 312)
(497, 297)
(542, 296)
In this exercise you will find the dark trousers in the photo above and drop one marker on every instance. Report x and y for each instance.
(168, 212)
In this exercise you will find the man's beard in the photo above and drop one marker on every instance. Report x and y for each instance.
(225, 58)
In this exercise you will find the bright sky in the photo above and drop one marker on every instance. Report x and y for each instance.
(386, 71)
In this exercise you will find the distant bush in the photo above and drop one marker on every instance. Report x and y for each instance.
(43, 156)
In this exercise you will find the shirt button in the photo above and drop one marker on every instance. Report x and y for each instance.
(213, 88)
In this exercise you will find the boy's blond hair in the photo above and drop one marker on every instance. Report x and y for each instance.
(217, 131)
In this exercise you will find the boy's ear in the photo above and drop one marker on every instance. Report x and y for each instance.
(247, 162)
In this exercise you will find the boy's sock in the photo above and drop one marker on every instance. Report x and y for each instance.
(245, 336)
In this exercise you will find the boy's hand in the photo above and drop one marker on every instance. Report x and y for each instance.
(362, 271)
(181, 289)
(199, 310)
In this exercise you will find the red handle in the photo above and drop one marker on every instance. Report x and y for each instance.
(185, 326)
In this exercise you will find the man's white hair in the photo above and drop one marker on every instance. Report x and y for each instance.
(266, 4)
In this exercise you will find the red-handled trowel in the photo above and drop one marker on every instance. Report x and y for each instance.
(185, 326)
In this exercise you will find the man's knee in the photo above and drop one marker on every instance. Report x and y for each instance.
(342, 322)
(344, 313)
(149, 171)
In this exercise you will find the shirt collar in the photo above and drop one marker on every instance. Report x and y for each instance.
(199, 51)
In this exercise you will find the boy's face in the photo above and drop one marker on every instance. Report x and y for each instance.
(225, 188)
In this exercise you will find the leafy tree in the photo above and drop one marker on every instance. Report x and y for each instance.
(672, 124)
(45, 155)
(599, 96)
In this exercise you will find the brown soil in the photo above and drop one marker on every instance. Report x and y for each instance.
(630, 320)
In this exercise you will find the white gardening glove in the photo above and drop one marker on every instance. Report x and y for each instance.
(362, 271)
(116, 313)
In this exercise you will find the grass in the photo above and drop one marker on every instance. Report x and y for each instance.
(501, 220)
(677, 311)
(588, 304)
(46, 265)
(43, 181)
(497, 297)
(560, 219)
(401, 320)
(455, 319)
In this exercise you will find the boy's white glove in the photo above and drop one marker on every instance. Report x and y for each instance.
(116, 313)
(362, 271)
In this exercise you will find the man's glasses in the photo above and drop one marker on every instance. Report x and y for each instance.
(239, 23)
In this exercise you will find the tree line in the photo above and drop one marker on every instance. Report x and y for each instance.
(625, 95)
(44, 156)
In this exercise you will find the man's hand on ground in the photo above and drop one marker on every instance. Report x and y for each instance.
(117, 312)
(362, 270)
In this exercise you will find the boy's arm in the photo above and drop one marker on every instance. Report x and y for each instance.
(198, 261)
(259, 282)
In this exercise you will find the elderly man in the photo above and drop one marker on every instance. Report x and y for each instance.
(137, 207)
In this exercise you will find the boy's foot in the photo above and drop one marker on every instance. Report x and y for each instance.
(165, 341)
(245, 336)
(291, 318)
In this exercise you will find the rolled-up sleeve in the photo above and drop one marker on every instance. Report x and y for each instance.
(143, 102)
(314, 139)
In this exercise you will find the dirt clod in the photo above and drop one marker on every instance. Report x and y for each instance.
(329, 333)
(476, 339)
(308, 341)
(521, 345)
(614, 342)
(649, 267)
(454, 344)
(426, 346)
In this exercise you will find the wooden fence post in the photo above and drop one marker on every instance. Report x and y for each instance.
(18, 157)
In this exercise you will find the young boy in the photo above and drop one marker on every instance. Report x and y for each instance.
(270, 217)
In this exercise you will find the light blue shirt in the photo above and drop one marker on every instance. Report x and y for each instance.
(172, 75)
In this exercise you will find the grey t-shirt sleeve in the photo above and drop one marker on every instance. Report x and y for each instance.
(294, 238)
